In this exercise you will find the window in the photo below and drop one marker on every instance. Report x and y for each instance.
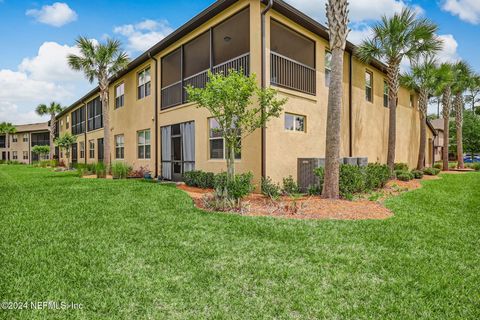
(25, 155)
(25, 137)
(61, 123)
(119, 146)
(217, 143)
(294, 122)
(68, 122)
(100, 149)
(78, 121)
(144, 83)
(369, 86)
(91, 149)
(412, 101)
(14, 155)
(328, 67)
(82, 150)
(2, 141)
(120, 95)
(385, 94)
(172, 79)
(143, 143)
(14, 138)
(94, 113)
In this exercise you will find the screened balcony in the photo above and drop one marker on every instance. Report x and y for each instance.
(220, 49)
(292, 59)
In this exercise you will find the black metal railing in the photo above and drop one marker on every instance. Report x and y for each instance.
(291, 74)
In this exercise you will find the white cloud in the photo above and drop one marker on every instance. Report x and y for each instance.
(449, 50)
(360, 10)
(359, 32)
(145, 34)
(57, 14)
(10, 112)
(467, 10)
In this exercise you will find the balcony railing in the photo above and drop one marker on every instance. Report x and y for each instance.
(291, 74)
(175, 94)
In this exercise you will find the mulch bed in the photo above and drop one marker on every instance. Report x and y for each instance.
(314, 207)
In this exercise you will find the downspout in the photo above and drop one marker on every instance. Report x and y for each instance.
(269, 5)
(155, 110)
(350, 106)
(85, 135)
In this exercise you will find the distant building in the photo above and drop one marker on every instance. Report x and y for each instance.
(438, 142)
(18, 146)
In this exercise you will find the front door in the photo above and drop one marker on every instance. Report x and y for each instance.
(177, 156)
(178, 150)
(74, 154)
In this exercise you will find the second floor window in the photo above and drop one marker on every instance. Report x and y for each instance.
(328, 67)
(95, 116)
(144, 83)
(385, 94)
(412, 101)
(25, 137)
(14, 138)
(91, 149)
(120, 95)
(68, 123)
(78, 121)
(119, 146)
(143, 142)
(369, 86)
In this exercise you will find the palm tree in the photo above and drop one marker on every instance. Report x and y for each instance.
(444, 82)
(422, 79)
(52, 110)
(337, 14)
(401, 36)
(7, 129)
(462, 76)
(100, 62)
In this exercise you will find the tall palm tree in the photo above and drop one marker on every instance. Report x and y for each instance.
(401, 36)
(462, 76)
(7, 129)
(444, 82)
(422, 79)
(100, 62)
(337, 14)
(52, 110)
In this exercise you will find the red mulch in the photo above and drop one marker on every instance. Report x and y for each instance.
(314, 207)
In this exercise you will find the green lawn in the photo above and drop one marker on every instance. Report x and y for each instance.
(137, 250)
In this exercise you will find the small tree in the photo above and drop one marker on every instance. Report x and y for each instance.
(229, 98)
(52, 110)
(65, 142)
(42, 151)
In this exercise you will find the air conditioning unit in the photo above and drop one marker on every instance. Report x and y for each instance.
(305, 175)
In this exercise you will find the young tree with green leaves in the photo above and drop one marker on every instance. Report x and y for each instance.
(65, 143)
(240, 107)
(52, 110)
(422, 79)
(7, 129)
(394, 38)
(337, 15)
(42, 151)
(100, 62)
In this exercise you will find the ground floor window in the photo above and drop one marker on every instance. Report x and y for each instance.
(25, 155)
(217, 142)
(82, 150)
(14, 155)
(143, 144)
(294, 122)
(119, 146)
(91, 148)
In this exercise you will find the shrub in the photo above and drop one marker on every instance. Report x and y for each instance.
(92, 168)
(314, 190)
(101, 170)
(476, 166)
(320, 173)
(270, 189)
(431, 171)
(120, 170)
(417, 174)
(352, 180)
(290, 187)
(235, 189)
(376, 176)
(438, 165)
(452, 165)
(405, 176)
(199, 179)
(401, 167)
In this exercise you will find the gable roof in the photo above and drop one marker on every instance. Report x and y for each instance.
(32, 127)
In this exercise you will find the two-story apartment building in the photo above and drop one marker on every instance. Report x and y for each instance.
(152, 123)
(18, 146)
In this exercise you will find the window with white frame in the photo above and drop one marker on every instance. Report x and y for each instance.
(25, 155)
(385, 94)
(14, 155)
(144, 83)
(143, 144)
(119, 146)
(217, 142)
(328, 67)
(369, 86)
(82, 150)
(25, 137)
(120, 95)
(91, 149)
(14, 138)
(294, 122)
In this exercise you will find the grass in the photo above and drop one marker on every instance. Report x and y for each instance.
(137, 250)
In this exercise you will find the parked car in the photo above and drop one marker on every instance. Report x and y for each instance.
(468, 159)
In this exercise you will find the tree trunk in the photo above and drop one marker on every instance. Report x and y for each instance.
(393, 85)
(52, 135)
(337, 15)
(231, 162)
(106, 124)
(446, 102)
(423, 105)
(459, 126)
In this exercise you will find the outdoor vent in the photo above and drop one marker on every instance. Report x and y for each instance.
(306, 166)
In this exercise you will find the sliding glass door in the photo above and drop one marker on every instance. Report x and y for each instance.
(178, 150)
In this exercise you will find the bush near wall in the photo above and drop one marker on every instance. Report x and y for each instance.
(199, 179)
(431, 171)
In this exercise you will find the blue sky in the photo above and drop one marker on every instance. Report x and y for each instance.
(37, 36)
